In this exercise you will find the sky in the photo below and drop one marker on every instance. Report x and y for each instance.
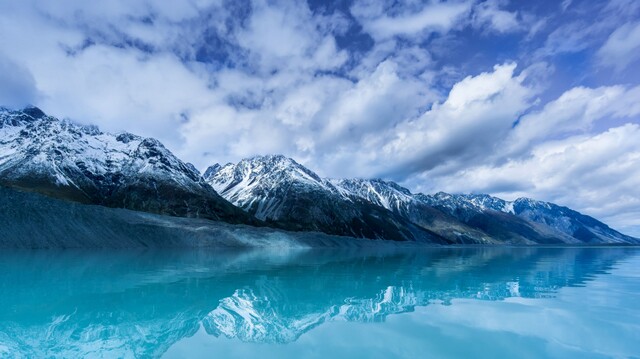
(511, 98)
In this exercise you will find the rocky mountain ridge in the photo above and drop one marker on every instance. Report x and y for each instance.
(80, 163)
(275, 188)
(61, 159)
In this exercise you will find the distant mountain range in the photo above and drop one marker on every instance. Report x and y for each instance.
(279, 190)
(57, 158)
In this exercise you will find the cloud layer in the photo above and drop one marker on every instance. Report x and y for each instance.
(496, 96)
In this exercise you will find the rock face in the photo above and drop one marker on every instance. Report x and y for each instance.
(80, 163)
(280, 190)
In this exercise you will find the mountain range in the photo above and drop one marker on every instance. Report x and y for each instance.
(279, 190)
(82, 164)
(57, 158)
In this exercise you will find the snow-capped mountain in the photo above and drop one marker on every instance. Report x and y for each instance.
(83, 164)
(283, 192)
(260, 184)
(80, 163)
(567, 221)
(386, 194)
(277, 188)
(402, 202)
(548, 219)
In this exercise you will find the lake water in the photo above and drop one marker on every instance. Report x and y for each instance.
(436, 303)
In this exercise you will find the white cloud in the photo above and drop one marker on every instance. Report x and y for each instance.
(371, 104)
(587, 25)
(569, 38)
(489, 14)
(384, 20)
(436, 16)
(552, 155)
(126, 88)
(622, 48)
(576, 110)
(478, 112)
(17, 85)
(277, 32)
(313, 119)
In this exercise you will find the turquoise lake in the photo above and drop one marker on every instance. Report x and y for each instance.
(283, 303)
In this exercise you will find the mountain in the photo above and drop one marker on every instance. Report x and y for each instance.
(402, 202)
(543, 218)
(283, 192)
(278, 189)
(80, 163)
(61, 159)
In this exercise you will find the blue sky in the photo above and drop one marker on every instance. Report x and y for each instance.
(511, 98)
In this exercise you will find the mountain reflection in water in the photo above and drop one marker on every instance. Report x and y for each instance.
(139, 304)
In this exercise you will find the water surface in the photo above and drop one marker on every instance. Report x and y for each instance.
(452, 302)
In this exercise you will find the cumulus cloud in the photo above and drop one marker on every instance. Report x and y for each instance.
(83, 76)
(288, 34)
(479, 111)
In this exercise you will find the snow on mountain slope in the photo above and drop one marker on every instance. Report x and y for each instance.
(546, 218)
(81, 163)
(399, 200)
(565, 220)
(278, 189)
(268, 185)
(48, 146)
(389, 195)
(261, 183)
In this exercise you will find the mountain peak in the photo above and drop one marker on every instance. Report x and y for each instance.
(211, 171)
(20, 117)
(276, 166)
(531, 202)
(387, 194)
(274, 159)
(271, 157)
(126, 137)
(34, 112)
